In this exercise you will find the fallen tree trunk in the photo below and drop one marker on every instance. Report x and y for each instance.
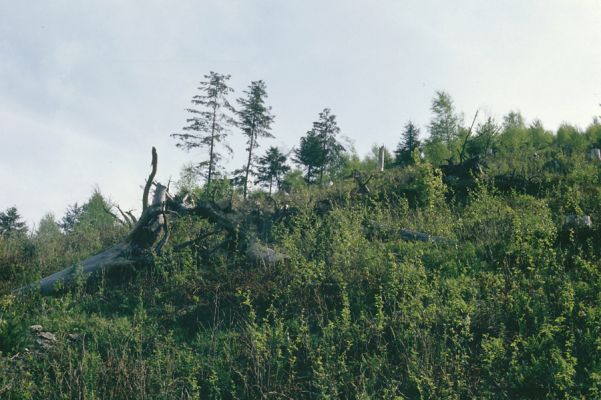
(148, 228)
(105, 261)
(410, 235)
(153, 225)
(386, 232)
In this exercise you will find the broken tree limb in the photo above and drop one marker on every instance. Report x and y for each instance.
(386, 232)
(132, 216)
(115, 217)
(410, 235)
(467, 136)
(111, 258)
(130, 222)
(261, 254)
(164, 194)
(149, 180)
(361, 182)
(237, 225)
(196, 240)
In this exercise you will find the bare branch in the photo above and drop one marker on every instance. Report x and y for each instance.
(126, 217)
(149, 180)
(166, 233)
(132, 216)
(109, 212)
(462, 154)
(197, 239)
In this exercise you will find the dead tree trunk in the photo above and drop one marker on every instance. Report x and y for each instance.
(146, 231)
(151, 226)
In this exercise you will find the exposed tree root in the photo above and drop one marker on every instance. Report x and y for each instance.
(152, 227)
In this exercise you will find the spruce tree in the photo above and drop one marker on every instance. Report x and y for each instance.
(272, 167)
(11, 222)
(71, 218)
(310, 156)
(408, 144)
(327, 129)
(320, 149)
(254, 119)
(209, 124)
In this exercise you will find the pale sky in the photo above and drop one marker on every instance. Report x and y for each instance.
(87, 87)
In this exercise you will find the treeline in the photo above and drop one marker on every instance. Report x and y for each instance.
(320, 156)
(507, 147)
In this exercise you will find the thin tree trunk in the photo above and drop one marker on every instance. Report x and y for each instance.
(211, 157)
(250, 149)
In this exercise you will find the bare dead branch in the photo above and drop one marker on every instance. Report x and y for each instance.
(469, 132)
(149, 180)
(126, 217)
(109, 212)
(197, 240)
(165, 237)
(132, 216)
(241, 228)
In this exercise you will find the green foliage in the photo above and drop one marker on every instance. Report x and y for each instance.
(319, 150)
(272, 168)
(408, 145)
(310, 156)
(505, 306)
(11, 223)
(436, 152)
(444, 125)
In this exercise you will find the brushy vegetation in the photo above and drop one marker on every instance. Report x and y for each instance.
(508, 307)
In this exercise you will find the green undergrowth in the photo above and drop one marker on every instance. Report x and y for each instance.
(508, 306)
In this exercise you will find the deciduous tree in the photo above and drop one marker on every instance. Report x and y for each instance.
(310, 156)
(444, 125)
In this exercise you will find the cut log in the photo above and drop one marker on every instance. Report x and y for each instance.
(260, 254)
(578, 220)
